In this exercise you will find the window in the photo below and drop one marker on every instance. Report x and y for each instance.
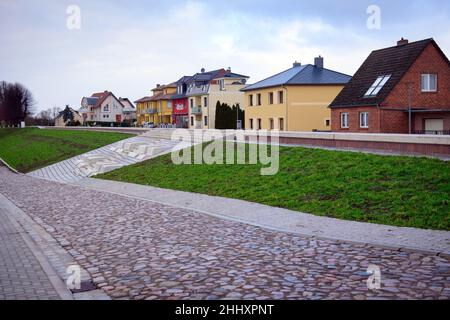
(271, 124)
(250, 100)
(169, 104)
(106, 108)
(344, 120)
(327, 122)
(222, 84)
(205, 102)
(377, 86)
(251, 124)
(258, 99)
(364, 119)
(280, 97)
(270, 97)
(192, 121)
(281, 124)
(429, 82)
(206, 120)
(259, 124)
(192, 103)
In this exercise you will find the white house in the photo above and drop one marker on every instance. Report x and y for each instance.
(106, 109)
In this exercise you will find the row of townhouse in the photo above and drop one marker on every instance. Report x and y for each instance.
(400, 89)
(191, 101)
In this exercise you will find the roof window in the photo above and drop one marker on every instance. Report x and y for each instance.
(377, 86)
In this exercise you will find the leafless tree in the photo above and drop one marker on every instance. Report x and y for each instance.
(16, 103)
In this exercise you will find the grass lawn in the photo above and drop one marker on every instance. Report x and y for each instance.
(31, 148)
(400, 191)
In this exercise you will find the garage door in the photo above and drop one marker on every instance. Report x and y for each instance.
(434, 125)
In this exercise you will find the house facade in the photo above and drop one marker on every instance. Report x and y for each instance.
(400, 89)
(157, 109)
(129, 110)
(180, 103)
(102, 108)
(76, 117)
(205, 89)
(294, 100)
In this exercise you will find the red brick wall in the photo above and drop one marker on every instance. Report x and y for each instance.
(394, 121)
(419, 120)
(374, 121)
(430, 61)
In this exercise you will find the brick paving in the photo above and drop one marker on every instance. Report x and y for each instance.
(136, 249)
(21, 275)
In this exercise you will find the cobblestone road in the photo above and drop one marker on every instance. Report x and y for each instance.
(136, 249)
(21, 275)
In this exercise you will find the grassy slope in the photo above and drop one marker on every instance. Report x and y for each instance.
(399, 191)
(32, 148)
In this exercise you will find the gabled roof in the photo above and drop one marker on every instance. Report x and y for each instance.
(393, 61)
(301, 75)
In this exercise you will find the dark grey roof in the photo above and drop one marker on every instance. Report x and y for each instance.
(92, 101)
(230, 74)
(301, 75)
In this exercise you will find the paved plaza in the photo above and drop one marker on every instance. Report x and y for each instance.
(138, 249)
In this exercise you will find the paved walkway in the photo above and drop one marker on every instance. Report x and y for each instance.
(108, 158)
(22, 276)
(138, 249)
(285, 220)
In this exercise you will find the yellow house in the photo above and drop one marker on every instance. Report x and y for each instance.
(156, 109)
(294, 100)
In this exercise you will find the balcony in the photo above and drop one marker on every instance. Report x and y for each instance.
(149, 111)
(196, 110)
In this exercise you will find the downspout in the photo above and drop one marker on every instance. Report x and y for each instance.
(286, 103)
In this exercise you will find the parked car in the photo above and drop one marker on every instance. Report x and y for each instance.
(148, 125)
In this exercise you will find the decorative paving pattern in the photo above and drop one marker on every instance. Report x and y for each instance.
(21, 275)
(108, 158)
(137, 249)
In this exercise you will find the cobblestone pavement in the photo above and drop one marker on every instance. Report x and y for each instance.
(137, 249)
(21, 275)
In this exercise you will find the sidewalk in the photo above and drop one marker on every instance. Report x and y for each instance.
(24, 272)
(430, 241)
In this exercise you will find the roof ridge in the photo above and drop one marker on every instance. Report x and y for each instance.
(405, 45)
(274, 76)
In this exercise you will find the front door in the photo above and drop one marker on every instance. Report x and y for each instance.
(118, 118)
(434, 126)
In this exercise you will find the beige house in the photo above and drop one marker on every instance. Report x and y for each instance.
(296, 99)
(76, 117)
(205, 89)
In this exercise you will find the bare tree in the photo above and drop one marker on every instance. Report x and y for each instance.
(16, 103)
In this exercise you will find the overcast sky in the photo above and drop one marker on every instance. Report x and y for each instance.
(128, 46)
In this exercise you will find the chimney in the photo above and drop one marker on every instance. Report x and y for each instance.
(402, 42)
(203, 70)
(158, 85)
(229, 69)
(296, 64)
(318, 62)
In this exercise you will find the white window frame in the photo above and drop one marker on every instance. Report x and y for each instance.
(425, 82)
(222, 84)
(364, 120)
(376, 87)
(345, 120)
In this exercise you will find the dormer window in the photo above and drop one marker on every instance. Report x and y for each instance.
(377, 86)
(106, 108)
(222, 84)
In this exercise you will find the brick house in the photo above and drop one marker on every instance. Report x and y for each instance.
(401, 89)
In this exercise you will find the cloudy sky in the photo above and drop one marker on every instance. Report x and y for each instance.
(128, 46)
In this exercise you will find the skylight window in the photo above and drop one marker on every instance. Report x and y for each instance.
(377, 86)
